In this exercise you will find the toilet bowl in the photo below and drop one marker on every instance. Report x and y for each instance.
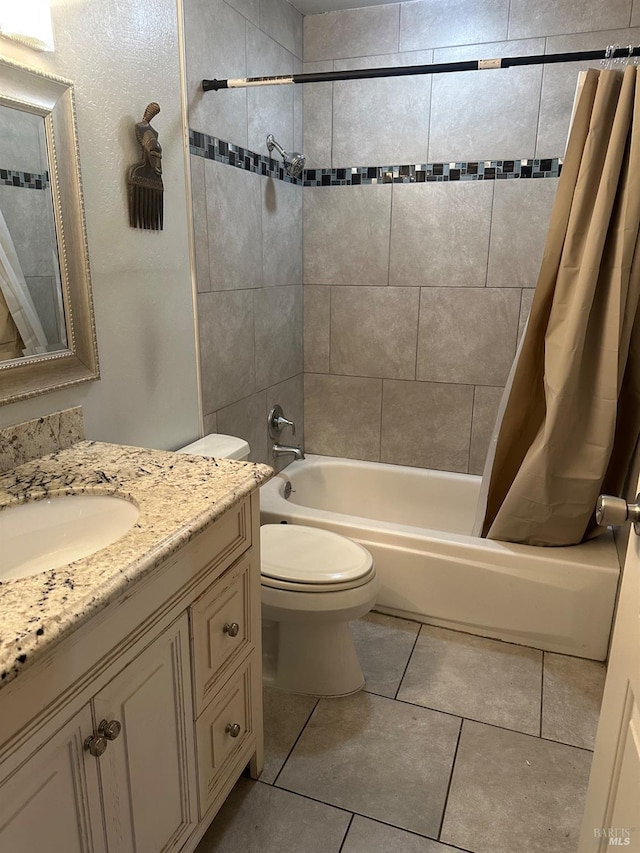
(314, 582)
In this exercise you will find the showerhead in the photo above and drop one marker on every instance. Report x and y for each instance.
(293, 163)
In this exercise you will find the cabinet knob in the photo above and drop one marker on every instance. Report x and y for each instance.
(110, 729)
(231, 628)
(233, 729)
(96, 745)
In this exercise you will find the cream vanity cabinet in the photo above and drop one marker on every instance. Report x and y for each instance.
(147, 714)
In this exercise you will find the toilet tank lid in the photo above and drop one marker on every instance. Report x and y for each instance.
(217, 444)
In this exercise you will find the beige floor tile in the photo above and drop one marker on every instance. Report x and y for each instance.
(512, 792)
(369, 836)
(285, 715)
(473, 677)
(383, 644)
(258, 818)
(571, 699)
(377, 757)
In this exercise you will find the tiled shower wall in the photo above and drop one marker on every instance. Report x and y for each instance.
(415, 293)
(248, 228)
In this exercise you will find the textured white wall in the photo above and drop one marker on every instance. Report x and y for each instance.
(121, 55)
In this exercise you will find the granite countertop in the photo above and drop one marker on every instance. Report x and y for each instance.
(178, 495)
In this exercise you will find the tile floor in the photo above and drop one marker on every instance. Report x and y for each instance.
(456, 743)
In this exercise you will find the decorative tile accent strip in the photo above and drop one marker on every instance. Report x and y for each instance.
(25, 180)
(203, 145)
(481, 170)
(211, 148)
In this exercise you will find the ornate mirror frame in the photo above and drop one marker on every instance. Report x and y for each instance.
(52, 97)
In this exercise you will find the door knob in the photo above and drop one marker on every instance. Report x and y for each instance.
(614, 511)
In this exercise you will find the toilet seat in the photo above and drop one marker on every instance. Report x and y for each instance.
(308, 559)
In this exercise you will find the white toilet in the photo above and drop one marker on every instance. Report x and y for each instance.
(314, 582)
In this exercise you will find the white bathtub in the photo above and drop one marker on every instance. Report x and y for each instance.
(417, 525)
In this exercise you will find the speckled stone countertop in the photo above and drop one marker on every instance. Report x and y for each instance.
(178, 496)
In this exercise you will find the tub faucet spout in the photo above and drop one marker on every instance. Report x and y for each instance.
(282, 449)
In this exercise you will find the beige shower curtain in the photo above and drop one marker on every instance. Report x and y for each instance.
(572, 416)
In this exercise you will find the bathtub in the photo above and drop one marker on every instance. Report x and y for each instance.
(417, 525)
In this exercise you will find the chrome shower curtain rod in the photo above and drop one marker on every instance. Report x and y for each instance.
(410, 70)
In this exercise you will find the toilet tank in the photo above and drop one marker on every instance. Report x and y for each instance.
(217, 444)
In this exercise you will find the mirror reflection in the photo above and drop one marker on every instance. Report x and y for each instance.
(31, 306)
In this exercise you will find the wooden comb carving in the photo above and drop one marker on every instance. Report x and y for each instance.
(144, 178)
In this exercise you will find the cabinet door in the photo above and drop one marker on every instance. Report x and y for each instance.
(148, 771)
(52, 802)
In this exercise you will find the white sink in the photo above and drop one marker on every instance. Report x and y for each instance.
(49, 533)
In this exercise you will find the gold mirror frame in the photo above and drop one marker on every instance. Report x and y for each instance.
(52, 98)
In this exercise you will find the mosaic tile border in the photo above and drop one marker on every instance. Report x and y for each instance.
(24, 180)
(211, 148)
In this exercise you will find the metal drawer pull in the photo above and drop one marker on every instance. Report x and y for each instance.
(231, 629)
(110, 729)
(96, 745)
(233, 729)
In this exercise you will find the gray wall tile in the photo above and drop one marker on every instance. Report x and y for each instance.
(467, 335)
(235, 253)
(490, 50)
(283, 22)
(215, 48)
(426, 424)
(559, 84)
(346, 234)
(270, 108)
(549, 17)
(225, 323)
(354, 32)
(519, 226)
(246, 419)
(525, 309)
(383, 121)
(316, 328)
(200, 233)
(210, 423)
(485, 409)
(342, 416)
(440, 233)
(250, 9)
(374, 331)
(468, 121)
(281, 232)
(435, 23)
(278, 329)
(318, 117)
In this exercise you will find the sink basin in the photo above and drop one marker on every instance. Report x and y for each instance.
(49, 533)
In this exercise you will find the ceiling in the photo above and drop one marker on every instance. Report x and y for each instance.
(315, 7)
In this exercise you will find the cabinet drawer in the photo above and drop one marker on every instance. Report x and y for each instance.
(222, 629)
(222, 732)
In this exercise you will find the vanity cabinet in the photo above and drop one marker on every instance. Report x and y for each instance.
(173, 668)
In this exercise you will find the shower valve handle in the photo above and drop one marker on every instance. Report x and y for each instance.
(277, 422)
(614, 511)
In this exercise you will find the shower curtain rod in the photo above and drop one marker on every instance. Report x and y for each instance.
(409, 70)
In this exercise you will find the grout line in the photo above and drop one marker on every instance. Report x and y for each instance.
(295, 743)
(404, 672)
(453, 764)
(542, 691)
(346, 833)
(473, 414)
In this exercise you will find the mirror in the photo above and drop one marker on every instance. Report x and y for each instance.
(47, 329)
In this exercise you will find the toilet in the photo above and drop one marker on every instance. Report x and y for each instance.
(314, 582)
